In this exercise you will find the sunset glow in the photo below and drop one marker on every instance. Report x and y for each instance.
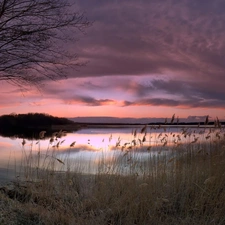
(144, 59)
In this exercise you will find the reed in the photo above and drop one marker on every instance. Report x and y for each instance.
(179, 181)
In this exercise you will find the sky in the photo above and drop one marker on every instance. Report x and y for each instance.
(146, 58)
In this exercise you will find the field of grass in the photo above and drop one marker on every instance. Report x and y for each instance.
(184, 183)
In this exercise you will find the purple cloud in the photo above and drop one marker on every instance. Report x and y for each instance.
(89, 101)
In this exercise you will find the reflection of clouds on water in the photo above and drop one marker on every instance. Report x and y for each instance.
(80, 148)
(5, 145)
(91, 148)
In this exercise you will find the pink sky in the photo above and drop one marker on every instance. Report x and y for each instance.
(145, 59)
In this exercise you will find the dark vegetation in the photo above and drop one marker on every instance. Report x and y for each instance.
(29, 125)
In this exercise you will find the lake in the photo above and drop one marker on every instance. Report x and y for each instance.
(91, 150)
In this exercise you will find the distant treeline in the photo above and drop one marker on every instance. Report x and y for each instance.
(28, 124)
(32, 120)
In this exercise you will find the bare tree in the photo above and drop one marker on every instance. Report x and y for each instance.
(34, 35)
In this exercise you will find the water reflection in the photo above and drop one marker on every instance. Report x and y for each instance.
(93, 149)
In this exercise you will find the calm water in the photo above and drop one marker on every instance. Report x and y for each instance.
(94, 148)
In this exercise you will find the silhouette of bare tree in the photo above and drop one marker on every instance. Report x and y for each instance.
(34, 36)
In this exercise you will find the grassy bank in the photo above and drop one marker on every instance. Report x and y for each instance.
(182, 185)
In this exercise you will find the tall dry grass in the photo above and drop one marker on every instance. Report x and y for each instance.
(180, 181)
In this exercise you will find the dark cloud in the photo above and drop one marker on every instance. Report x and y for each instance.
(155, 37)
(177, 103)
(86, 100)
(187, 102)
(134, 91)
(190, 90)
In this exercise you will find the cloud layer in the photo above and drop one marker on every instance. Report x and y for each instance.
(168, 53)
(184, 38)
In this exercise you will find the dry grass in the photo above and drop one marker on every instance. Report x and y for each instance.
(184, 184)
